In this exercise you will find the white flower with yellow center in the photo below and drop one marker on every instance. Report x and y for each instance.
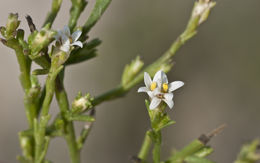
(159, 90)
(150, 85)
(67, 40)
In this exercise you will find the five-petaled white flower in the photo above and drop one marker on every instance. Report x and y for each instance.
(67, 40)
(159, 90)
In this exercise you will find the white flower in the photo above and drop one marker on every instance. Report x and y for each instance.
(159, 90)
(150, 85)
(67, 40)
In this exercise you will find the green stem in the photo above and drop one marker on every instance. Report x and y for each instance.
(70, 136)
(143, 153)
(75, 11)
(53, 13)
(40, 127)
(25, 67)
(110, 95)
(157, 148)
(98, 10)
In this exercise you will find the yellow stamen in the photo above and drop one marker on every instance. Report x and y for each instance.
(165, 87)
(153, 86)
(70, 39)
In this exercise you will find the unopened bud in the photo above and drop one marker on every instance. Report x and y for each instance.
(39, 40)
(131, 70)
(202, 9)
(81, 103)
(25, 143)
(11, 25)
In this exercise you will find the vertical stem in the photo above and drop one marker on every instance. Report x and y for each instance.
(145, 147)
(40, 127)
(70, 136)
(25, 66)
(157, 148)
(53, 13)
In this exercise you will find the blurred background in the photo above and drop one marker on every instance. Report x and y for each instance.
(220, 68)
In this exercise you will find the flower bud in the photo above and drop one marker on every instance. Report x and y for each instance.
(202, 9)
(39, 40)
(11, 25)
(25, 143)
(81, 103)
(131, 70)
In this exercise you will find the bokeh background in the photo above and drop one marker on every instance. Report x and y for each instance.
(220, 67)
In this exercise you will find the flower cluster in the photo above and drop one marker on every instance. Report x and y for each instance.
(67, 40)
(159, 89)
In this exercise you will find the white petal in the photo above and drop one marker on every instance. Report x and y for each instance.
(65, 39)
(164, 78)
(75, 36)
(158, 78)
(147, 80)
(175, 85)
(78, 43)
(143, 89)
(66, 30)
(170, 103)
(154, 103)
(168, 96)
(151, 94)
(157, 91)
(65, 46)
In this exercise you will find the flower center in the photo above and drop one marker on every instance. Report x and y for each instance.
(160, 96)
(165, 87)
(153, 86)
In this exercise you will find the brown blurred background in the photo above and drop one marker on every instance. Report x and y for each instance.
(220, 67)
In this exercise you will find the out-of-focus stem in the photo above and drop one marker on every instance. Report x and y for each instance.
(75, 11)
(143, 153)
(70, 137)
(53, 13)
(40, 127)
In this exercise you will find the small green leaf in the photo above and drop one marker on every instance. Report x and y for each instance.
(85, 118)
(82, 54)
(96, 13)
(195, 159)
(40, 72)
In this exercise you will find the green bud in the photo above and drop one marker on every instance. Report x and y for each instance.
(36, 87)
(131, 70)
(202, 9)
(59, 57)
(40, 40)
(20, 34)
(25, 143)
(11, 25)
(59, 124)
(81, 103)
(249, 152)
